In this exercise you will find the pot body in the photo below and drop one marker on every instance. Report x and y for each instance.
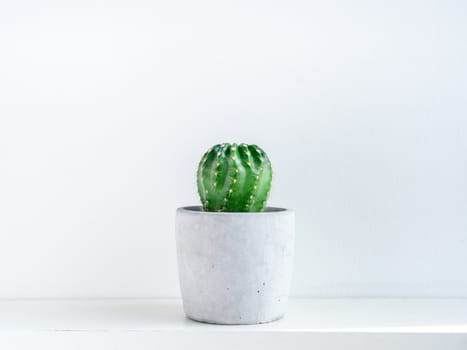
(235, 268)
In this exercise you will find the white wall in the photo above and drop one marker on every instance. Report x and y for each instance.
(107, 106)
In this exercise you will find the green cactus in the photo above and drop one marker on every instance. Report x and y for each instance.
(234, 178)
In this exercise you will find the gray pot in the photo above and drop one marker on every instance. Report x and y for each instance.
(235, 268)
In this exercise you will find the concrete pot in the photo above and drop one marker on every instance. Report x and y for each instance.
(235, 268)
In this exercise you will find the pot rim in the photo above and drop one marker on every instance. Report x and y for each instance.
(198, 210)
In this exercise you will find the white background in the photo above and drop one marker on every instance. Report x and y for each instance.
(107, 106)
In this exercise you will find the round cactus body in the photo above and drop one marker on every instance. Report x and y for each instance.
(234, 178)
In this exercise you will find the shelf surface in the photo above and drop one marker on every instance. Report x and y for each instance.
(325, 322)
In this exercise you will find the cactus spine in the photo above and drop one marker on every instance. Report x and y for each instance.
(234, 178)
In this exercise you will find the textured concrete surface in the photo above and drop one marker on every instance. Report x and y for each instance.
(235, 268)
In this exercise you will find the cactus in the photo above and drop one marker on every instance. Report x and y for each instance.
(234, 178)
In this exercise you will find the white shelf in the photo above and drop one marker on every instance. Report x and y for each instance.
(155, 323)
